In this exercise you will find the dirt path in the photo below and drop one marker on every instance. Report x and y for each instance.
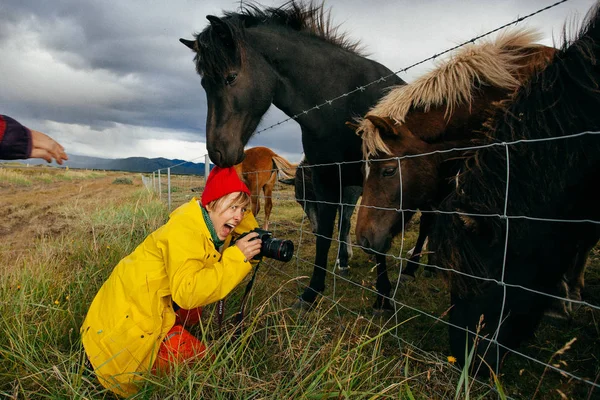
(29, 213)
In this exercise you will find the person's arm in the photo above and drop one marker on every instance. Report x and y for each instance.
(19, 142)
(15, 139)
(195, 282)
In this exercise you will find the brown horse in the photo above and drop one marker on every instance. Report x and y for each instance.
(429, 116)
(259, 171)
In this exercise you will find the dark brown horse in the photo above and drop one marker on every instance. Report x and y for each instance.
(407, 134)
(260, 171)
(435, 113)
(292, 57)
(550, 177)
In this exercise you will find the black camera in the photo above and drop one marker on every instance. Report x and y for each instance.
(278, 249)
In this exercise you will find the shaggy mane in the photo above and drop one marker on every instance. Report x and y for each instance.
(452, 83)
(309, 18)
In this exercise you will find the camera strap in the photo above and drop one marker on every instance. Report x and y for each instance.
(240, 315)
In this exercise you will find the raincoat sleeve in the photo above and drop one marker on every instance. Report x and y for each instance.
(198, 273)
(15, 139)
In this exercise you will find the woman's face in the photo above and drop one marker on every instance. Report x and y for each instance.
(227, 217)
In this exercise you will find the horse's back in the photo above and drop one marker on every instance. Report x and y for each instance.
(258, 159)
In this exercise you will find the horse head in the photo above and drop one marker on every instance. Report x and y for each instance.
(408, 135)
(394, 180)
(239, 85)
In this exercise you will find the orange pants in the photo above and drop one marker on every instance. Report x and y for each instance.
(188, 317)
(180, 346)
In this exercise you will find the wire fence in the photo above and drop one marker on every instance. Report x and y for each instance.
(284, 198)
(177, 189)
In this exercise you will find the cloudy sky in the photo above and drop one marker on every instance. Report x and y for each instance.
(109, 78)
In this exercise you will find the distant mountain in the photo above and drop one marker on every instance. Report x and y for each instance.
(131, 164)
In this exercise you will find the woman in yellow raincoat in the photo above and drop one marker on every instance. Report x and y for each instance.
(131, 328)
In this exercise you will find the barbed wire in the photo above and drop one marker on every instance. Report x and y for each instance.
(362, 88)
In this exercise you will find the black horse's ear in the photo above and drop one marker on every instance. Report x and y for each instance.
(221, 29)
(214, 20)
(192, 44)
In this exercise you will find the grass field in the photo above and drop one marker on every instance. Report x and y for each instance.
(62, 232)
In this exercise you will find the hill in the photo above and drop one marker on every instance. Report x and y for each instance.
(130, 164)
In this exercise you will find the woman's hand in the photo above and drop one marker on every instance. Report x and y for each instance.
(249, 245)
(47, 148)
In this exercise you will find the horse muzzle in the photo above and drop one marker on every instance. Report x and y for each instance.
(226, 158)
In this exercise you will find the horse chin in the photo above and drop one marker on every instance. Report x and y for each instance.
(386, 245)
(226, 159)
(373, 246)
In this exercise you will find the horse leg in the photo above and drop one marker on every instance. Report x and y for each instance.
(575, 275)
(480, 314)
(268, 192)
(255, 203)
(383, 286)
(425, 225)
(326, 213)
(573, 279)
(349, 198)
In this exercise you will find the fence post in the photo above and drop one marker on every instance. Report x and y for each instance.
(159, 188)
(169, 186)
(206, 167)
(153, 182)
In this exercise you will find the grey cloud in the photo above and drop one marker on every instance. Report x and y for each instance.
(114, 65)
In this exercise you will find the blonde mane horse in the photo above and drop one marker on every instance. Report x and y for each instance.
(259, 171)
(441, 110)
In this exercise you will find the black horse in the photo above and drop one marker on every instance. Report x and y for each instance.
(544, 192)
(291, 57)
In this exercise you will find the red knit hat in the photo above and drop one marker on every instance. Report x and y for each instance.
(220, 182)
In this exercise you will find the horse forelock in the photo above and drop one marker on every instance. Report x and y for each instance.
(452, 83)
(372, 143)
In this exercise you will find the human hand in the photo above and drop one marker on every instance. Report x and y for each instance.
(249, 245)
(43, 146)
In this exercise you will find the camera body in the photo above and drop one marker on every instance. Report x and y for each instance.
(277, 249)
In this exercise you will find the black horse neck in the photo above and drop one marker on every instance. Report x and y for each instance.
(312, 71)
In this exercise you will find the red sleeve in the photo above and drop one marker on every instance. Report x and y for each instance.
(15, 139)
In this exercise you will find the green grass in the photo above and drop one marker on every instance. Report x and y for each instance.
(8, 176)
(122, 181)
(340, 350)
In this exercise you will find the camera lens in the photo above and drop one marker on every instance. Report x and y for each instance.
(278, 249)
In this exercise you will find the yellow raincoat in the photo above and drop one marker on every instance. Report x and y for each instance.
(133, 311)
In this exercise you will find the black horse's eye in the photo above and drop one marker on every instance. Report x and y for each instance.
(230, 79)
(389, 171)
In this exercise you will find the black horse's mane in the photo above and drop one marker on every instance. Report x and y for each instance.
(562, 100)
(213, 58)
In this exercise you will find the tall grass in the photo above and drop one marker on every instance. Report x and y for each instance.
(45, 292)
(280, 353)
